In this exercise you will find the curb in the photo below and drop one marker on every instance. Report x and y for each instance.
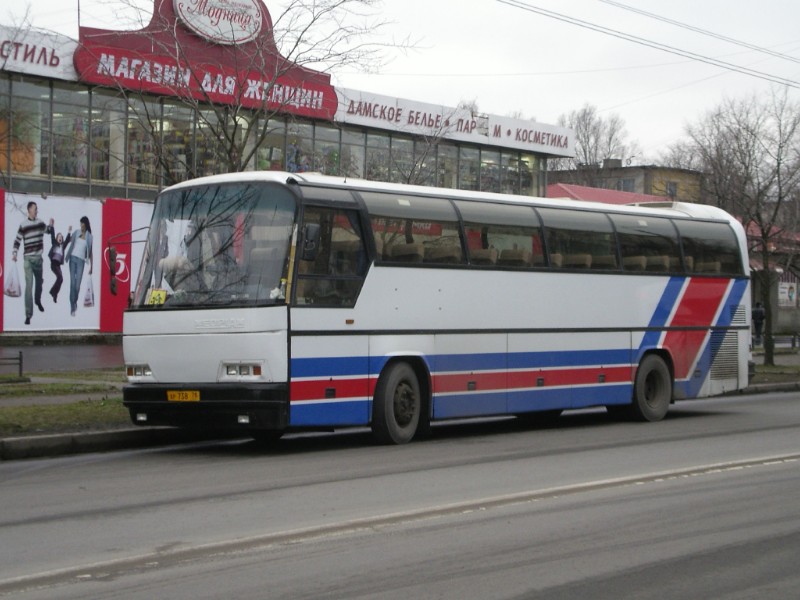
(62, 444)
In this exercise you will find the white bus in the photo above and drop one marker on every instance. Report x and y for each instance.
(273, 301)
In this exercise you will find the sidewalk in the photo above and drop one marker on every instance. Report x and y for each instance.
(143, 437)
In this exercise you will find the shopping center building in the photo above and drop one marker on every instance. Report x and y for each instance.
(120, 115)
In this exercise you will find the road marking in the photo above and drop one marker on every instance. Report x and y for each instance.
(149, 561)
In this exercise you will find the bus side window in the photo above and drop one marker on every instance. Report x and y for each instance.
(334, 275)
(579, 239)
(712, 247)
(504, 235)
(647, 243)
(413, 229)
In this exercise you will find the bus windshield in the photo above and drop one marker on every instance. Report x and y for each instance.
(217, 245)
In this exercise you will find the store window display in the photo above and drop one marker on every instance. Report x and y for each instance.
(326, 149)
(108, 137)
(270, 154)
(143, 119)
(353, 158)
(178, 142)
(70, 131)
(24, 130)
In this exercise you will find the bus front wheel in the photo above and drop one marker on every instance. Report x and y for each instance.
(652, 392)
(397, 405)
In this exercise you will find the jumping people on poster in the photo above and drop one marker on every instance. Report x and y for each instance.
(30, 236)
(78, 254)
(56, 256)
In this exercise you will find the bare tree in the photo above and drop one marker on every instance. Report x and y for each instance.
(750, 153)
(596, 139)
(235, 112)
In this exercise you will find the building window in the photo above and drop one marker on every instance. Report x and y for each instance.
(326, 149)
(70, 131)
(270, 153)
(531, 180)
(299, 148)
(24, 129)
(178, 143)
(490, 170)
(672, 189)
(143, 120)
(626, 185)
(378, 156)
(425, 151)
(469, 164)
(446, 166)
(509, 173)
(353, 156)
(404, 169)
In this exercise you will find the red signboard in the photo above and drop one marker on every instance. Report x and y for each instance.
(117, 224)
(169, 58)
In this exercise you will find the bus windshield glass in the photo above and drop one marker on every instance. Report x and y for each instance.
(217, 245)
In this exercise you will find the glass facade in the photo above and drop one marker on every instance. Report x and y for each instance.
(70, 138)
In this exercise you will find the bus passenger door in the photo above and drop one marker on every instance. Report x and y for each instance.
(329, 359)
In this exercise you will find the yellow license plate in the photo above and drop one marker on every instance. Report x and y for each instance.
(183, 395)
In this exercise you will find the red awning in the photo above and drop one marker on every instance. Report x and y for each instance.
(590, 194)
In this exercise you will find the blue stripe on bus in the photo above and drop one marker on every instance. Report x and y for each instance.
(351, 366)
(308, 414)
(330, 366)
(520, 401)
(469, 405)
(569, 358)
(663, 310)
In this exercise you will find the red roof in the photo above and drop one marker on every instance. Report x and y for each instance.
(590, 194)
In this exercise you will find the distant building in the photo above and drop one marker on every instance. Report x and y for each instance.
(682, 185)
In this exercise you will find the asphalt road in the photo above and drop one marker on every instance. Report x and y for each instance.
(703, 504)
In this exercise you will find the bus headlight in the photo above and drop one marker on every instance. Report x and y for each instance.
(138, 371)
(243, 370)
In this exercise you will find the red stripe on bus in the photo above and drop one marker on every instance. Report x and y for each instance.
(318, 389)
(697, 308)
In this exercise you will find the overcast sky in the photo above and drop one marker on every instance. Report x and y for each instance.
(511, 60)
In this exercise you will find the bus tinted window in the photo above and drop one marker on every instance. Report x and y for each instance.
(332, 274)
(710, 248)
(579, 239)
(411, 229)
(647, 243)
(502, 234)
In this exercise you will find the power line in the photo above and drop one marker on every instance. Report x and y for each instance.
(651, 44)
(705, 32)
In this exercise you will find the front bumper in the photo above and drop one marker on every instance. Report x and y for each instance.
(218, 406)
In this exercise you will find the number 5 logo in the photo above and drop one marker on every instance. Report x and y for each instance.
(122, 272)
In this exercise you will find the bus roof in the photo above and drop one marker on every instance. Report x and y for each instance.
(672, 209)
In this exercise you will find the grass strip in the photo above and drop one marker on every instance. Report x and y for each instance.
(82, 415)
(44, 390)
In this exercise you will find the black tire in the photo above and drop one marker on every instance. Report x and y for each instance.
(397, 405)
(652, 392)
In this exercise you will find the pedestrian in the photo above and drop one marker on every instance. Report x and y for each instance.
(30, 236)
(758, 322)
(78, 254)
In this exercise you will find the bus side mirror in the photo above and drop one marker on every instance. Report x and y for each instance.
(112, 266)
(311, 234)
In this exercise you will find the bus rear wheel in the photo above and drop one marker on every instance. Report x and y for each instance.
(652, 392)
(397, 405)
